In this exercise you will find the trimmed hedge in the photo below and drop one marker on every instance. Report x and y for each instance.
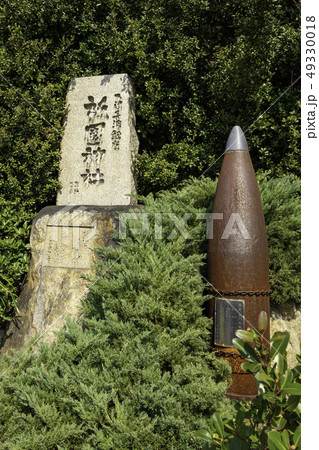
(15, 227)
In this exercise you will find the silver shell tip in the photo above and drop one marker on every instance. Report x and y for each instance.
(236, 140)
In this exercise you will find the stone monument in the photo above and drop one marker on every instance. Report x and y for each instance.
(99, 143)
(97, 152)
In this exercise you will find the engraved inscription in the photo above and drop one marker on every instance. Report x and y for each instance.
(100, 143)
(93, 156)
(96, 111)
(94, 153)
(117, 122)
(68, 246)
(92, 177)
(229, 317)
(74, 187)
(94, 133)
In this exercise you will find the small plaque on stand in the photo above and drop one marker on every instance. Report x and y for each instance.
(229, 317)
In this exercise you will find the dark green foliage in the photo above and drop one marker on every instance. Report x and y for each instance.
(199, 68)
(273, 419)
(14, 254)
(282, 210)
(138, 373)
(111, 386)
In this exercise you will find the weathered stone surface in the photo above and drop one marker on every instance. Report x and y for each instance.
(62, 240)
(99, 142)
(288, 318)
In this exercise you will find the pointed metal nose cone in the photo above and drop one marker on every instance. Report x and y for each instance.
(236, 140)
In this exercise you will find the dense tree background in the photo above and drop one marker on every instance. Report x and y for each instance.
(198, 66)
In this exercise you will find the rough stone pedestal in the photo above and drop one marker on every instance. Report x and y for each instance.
(62, 242)
(287, 317)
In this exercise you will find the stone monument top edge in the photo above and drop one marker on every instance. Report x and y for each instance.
(102, 81)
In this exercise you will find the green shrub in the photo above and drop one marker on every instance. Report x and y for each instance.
(14, 254)
(170, 164)
(282, 210)
(272, 420)
(138, 373)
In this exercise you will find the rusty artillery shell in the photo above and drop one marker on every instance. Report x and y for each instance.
(238, 259)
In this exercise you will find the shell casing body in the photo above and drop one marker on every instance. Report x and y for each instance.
(238, 264)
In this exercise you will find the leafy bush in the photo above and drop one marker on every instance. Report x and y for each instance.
(199, 67)
(282, 209)
(272, 420)
(14, 254)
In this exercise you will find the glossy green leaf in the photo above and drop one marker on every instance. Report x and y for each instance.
(278, 336)
(262, 322)
(293, 403)
(285, 438)
(279, 343)
(286, 378)
(281, 423)
(297, 437)
(245, 335)
(245, 350)
(292, 389)
(251, 367)
(270, 396)
(229, 427)
(218, 423)
(274, 438)
(271, 445)
(265, 378)
(204, 434)
(279, 365)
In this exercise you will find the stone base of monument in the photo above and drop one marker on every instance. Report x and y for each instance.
(62, 241)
